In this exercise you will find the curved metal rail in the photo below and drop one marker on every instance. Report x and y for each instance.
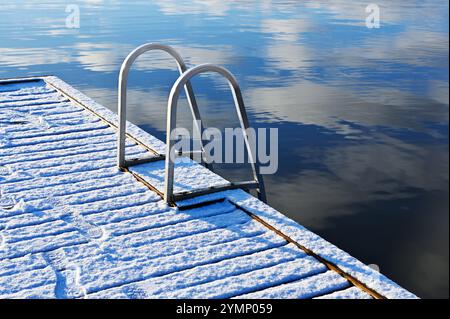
(184, 78)
(122, 101)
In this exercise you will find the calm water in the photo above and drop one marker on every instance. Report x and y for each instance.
(362, 113)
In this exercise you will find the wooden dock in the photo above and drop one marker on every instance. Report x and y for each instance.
(72, 225)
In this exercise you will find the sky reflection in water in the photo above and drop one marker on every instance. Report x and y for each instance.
(362, 113)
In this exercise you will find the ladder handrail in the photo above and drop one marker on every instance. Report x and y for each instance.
(122, 93)
(171, 121)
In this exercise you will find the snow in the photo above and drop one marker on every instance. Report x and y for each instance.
(304, 288)
(318, 245)
(184, 173)
(37, 277)
(255, 280)
(72, 225)
(167, 286)
(349, 293)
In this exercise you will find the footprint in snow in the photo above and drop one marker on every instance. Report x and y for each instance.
(7, 174)
(93, 232)
(13, 118)
(4, 171)
(4, 141)
(7, 202)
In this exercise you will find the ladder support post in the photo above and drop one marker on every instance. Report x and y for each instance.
(122, 111)
(198, 124)
(170, 157)
(245, 125)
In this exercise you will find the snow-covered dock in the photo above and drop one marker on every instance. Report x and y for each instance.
(72, 225)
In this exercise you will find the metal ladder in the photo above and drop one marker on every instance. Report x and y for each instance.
(122, 101)
(184, 82)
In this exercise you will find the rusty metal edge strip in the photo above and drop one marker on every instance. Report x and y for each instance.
(102, 118)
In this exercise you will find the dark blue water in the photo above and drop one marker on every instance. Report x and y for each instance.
(362, 113)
